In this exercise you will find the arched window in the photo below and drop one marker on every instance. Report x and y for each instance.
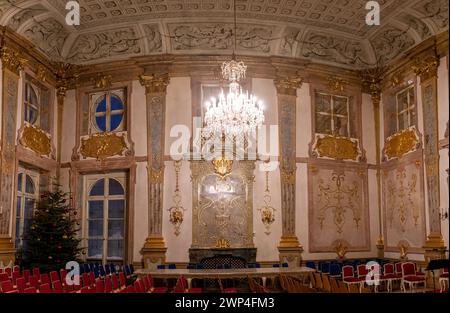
(26, 199)
(105, 225)
(109, 112)
(31, 104)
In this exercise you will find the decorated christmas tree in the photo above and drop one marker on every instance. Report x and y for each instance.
(52, 239)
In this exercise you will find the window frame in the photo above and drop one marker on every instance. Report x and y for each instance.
(410, 107)
(332, 114)
(89, 182)
(93, 125)
(38, 87)
(23, 195)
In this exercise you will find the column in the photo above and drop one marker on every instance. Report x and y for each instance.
(289, 247)
(425, 67)
(11, 66)
(371, 80)
(154, 250)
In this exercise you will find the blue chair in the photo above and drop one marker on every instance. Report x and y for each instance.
(325, 267)
(190, 266)
(107, 269)
(172, 266)
(161, 267)
(199, 266)
(226, 266)
(275, 265)
(311, 264)
(132, 268)
(96, 271)
(250, 265)
(335, 270)
(285, 265)
(127, 270)
(87, 268)
(257, 265)
(91, 267)
(81, 269)
(102, 271)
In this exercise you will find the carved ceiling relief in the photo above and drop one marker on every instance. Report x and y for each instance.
(390, 42)
(403, 204)
(335, 30)
(338, 207)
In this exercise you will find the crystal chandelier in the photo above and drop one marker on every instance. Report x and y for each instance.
(237, 112)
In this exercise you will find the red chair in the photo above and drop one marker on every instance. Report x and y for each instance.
(115, 282)
(54, 276)
(16, 268)
(226, 290)
(63, 274)
(3, 277)
(33, 282)
(410, 278)
(86, 278)
(179, 286)
(15, 275)
(36, 272)
(190, 290)
(130, 289)
(57, 287)
(30, 290)
(26, 275)
(348, 276)
(6, 286)
(389, 275)
(418, 273)
(21, 284)
(138, 287)
(92, 278)
(8, 271)
(146, 283)
(398, 269)
(362, 271)
(45, 288)
(108, 285)
(122, 280)
(99, 286)
(85, 289)
(44, 279)
(1, 270)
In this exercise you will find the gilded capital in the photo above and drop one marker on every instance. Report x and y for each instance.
(426, 67)
(11, 59)
(288, 85)
(155, 83)
(66, 77)
(371, 83)
(336, 84)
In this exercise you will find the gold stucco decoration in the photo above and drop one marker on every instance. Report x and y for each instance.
(222, 166)
(176, 211)
(37, 140)
(103, 145)
(340, 148)
(222, 243)
(401, 143)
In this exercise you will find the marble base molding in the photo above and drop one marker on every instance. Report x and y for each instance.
(290, 251)
(153, 252)
(7, 251)
(197, 255)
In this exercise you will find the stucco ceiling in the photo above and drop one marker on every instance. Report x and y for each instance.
(326, 31)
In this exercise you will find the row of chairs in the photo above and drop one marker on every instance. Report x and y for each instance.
(219, 266)
(102, 270)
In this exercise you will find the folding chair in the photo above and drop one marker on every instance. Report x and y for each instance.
(45, 288)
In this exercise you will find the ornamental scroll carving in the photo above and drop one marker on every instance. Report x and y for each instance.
(336, 147)
(36, 140)
(404, 202)
(338, 206)
(401, 143)
(103, 145)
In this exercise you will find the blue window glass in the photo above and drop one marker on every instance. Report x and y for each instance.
(116, 103)
(95, 209)
(115, 188)
(116, 119)
(101, 107)
(101, 122)
(116, 208)
(98, 189)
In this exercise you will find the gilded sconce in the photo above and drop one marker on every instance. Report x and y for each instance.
(176, 212)
(267, 210)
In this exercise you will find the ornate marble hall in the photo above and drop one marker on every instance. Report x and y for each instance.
(341, 157)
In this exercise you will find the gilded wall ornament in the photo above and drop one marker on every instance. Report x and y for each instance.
(338, 197)
(156, 176)
(426, 67)
(336, 84)
(336, 147)
(401, 143)
(12, 60)
(401, 192)
(267, 210)
(176, 212)
(222, 243)
(41, 74)
(288, 85)
(222, 166)
(102, 81)
(403, 250)
(37, 140)
(155, 83)
(341, 250)
(102, 145)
